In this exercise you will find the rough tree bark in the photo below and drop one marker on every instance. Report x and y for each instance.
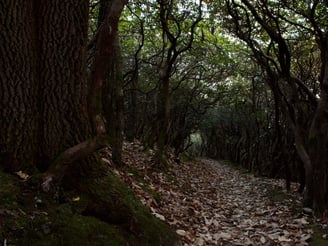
(44, 115)
(43, 79)
(103, 53)
(18, 85)
(62, 40)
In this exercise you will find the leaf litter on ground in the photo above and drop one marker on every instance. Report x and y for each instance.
(209, 203)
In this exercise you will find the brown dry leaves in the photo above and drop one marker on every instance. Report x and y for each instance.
(212, 204)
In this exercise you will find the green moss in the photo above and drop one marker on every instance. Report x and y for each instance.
(63, 227)
(105, 213)
(153, 193)
(136, 173)
(83, 230)
(140, 178)
(317, 239)
(8, 190)
(122, 207)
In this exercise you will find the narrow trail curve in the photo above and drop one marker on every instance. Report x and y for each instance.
(213, 204)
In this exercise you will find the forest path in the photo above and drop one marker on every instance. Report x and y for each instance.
(214, 204)
(209, 202)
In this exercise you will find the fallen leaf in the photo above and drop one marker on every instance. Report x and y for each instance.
(224, 235)
(22, 175)
(181, 233)
(263, 240)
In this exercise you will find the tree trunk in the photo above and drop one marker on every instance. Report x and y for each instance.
(18, 88)
(318, 140)
(64, 118)
(113, 102)
(163, 114)
(43, 106)
(133, 119)
(132, 128)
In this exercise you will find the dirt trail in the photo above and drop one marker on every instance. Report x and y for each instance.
(213, 204)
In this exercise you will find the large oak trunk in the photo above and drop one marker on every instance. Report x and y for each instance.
(43, 80)
(19, 87)
(63, 36)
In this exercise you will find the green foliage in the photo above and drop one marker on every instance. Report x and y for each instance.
(93, 17)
